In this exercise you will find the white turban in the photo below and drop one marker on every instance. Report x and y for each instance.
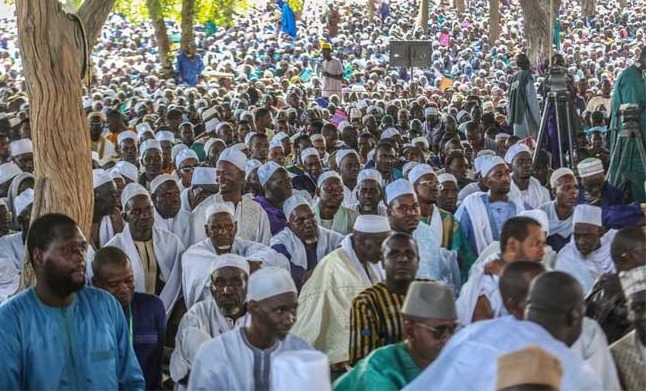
(127, 169)
(327, 175)
(292, 203)
(25, 199)
(159, 180)
(235, 157)
(100, 177)
(266, 171)
(269, 282)
(515, 150)
(21, 146)
(132, 190)
(398, 188)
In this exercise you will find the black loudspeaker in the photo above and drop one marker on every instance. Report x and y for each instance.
(410, 54)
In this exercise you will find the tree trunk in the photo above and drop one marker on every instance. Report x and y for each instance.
(371, 9)
(588, 8)
(422, 17)
(539, 28)
(188, 17)
(161, 36)
(52, 49)
(460, 5)
(494, 21)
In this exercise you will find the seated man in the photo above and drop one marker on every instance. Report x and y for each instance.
(594, 189)
(369, 194)
(240, 359)
(106, 219)
(12, 247)
(169, 215)
(210, 318)
(313, 168)
(277, 186)
(145, 313)
(447, 197)
(347, 162)
(565, 189)
(303, 242)
(429, 320)
(328, 208)
(523, 184)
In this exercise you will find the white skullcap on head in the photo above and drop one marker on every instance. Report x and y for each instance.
(208, 113)
(250, 166)
(149, 144)
(446, 177)
(269, 282)
(266, 171)
(420, 139)
(486, 152)
(343, 124)
(488, 163)
(540, 216)
(21, 146)
(398, 188)
(327, 175)
(8, 171)
(210, 142)
(203, 176)
(159, 179)
(407, 167)
(294, 202)
(25, 199)
(430, 111)
(275, 144)
(389, 133)
(229, 260)
(127, 170)
(588, 214)
(419, 171)
(632, 281)
(558, 174)
(371, 224)
(369, 173)
(185, 154)
(343, 153)
(240, 146)
(115, 175)
(100, 177)
(316, 137)
(221, 207)
(235, 157)
(165, 135)
(590, 166)
(142, 128)
(176, 150)
(127, 135)
(300, 370)
(280, 136)
(247, 138)
(307, 152)
(515, 150)
(132, 190)
(502, 136)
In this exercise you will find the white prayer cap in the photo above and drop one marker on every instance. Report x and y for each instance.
(558, 174)
(343, 124)
(235, 157)
(21, 146)
(209, 143)
(590, 166)
(221, 207)
(230, 260)
(247, 138)
(540, 216)
(419, 171)
(100, 177)
(211, 125)
(343, 153)
(250, 166)
(185, 154)
(515, 150)
(127, 169)
(127, 135)
(407, 167)
(488, 163)
(275, 144)
(115, 175)
(165, 135)
(587, 214)
(208, 113)
(398, 188)
(328, 175)
(240, 146)
(486, 152)
(300, 370)
(269, 282)
(8, 171)
(633, 281)
(430, 111)
(307, 152)
(203, 176)
(149, 144)
(294, 202)
(371, 224)
(420, 139)
(280, 136)
(143, 128)
(369, 173)
(132, 190)
(25, 199)
(318, 137)
(266, 171)
(446, 177)
(159, 179)
(389, 133)
(176, 150)
(502, 136)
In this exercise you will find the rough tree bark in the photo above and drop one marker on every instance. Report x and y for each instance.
(539, 27)
(460, 5)
(371, 9)
(188, 17)
(422, 17)
(161, 36)
(53, 51)
(588, 7)
(494, 21)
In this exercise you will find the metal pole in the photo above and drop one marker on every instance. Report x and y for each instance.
(551, 26)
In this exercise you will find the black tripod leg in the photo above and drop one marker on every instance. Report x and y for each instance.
(542, 130)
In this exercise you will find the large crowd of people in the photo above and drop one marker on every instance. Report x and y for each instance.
(291, 212)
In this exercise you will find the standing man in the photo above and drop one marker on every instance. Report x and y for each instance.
(524, 112)
(189, 66)
(331, 72)
(60, 334)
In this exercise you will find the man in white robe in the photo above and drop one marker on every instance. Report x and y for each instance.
(221, 232)
(241, 359)
(348, 165)
(222, 312)
(523, 184)
(328, 207)
(560, 212)
(326, 298)
(106, 220)
(169, 215)
(12, 246)
(369, 194)
(587, 256)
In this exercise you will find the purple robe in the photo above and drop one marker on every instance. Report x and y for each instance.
(277, 219)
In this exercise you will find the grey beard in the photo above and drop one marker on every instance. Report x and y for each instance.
(224, 248)
(313, 241)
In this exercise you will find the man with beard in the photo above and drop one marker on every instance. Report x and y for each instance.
(312, 169)
(106, 220)
(220, 230)
(347, 161)
(594, 188)
(127, 147)
(145, 313)
(447, 197)
(150, 152)
(565, 189)
(12, 246)
(258, 146)
(169, 215)
(277, 185)
(211, 318)
(104, 147)
(432, 128)
(240, 359)
(523, 185)
(154, 252)
(22, 154)
(385, 158)
(369, 194)
(328, 208)
(60, 334)
(213, 148)
(303, 241)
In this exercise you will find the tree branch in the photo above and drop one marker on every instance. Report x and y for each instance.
(93, 14)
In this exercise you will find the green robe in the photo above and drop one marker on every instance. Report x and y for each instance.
(387, 368)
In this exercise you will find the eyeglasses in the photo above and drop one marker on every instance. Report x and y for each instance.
(440, 331)
(429, 183)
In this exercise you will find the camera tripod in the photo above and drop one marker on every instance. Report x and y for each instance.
(565, 124)
(628, 139)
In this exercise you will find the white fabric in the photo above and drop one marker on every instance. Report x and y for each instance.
(21, 146)
(327, 242)
(389, 133)
(327, 175)
(9, 279)
(467, 191)
(220, 207)
(371, 224)
(398, 188)
(203, 176)
(100, 177)
(12, 249)
(590, 166)
(488, 163)
(447, 178)
(149, 144)
(558, 174)
(132, 190)
(564, 228)
(535, 195)
(330, 86)
(159, 180)
(106, 230)
(165, 135)
(183, 155)
(23, 200)
(588, 214)
(230, 260)
(436, 224)
(127, 135)
(8, 171)
(210, 142)
(592, 347)
(300, 370)
(477, 285)
(143, 128)
(539, 216)
(127, 169)
(369, 173)
(292, 203)
(376, 268)
(235, 157)
(275, 144)
(266, 171)
(180, 225)
(515, 150)
(269, 282)
(342, 154)
(251, 165)
(419, 171)
(436, 263)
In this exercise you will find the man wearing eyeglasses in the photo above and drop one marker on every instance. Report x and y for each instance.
(429, 320)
